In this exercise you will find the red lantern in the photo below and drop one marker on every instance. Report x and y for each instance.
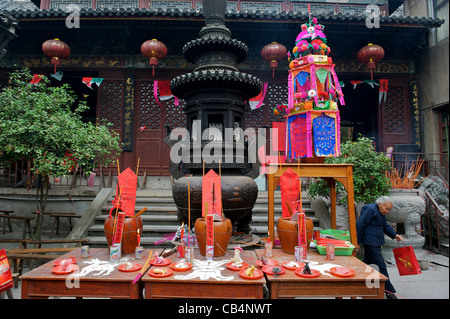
(273, 52)
(369, 55)
(154, 50)
(56, 50)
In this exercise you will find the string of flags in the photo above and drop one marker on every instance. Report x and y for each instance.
(90, 81)
(256, 102)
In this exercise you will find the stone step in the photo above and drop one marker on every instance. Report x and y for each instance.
(160, 218)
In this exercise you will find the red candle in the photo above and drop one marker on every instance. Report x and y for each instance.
(182, 232)
(138, 238)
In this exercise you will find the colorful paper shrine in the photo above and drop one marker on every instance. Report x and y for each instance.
(312, 113)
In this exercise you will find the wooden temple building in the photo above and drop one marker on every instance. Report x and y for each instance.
(105, 37)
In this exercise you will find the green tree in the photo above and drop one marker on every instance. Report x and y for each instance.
(369, 172)
(42, 124)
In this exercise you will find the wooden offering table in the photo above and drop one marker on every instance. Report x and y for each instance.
(365, 282)
(41, 282)
(329, 172)
(200, 282)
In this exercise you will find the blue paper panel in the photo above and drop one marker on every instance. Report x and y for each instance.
(324, 128)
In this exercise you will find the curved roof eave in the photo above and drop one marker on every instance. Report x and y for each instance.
(232, 15)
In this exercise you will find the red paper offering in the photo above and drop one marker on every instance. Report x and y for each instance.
(119, 228)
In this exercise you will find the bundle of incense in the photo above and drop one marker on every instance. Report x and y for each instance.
(142, 211)
(144, 268)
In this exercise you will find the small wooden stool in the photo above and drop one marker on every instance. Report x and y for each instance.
(7, 212)
(56, 222)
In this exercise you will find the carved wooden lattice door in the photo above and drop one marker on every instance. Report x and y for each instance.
(395, 116)
(150, 132)
(109, 105)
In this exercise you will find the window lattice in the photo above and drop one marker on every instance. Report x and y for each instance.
(175, 116)
(117, 4)
(278, 94)
(111, 101)
(395, 110)
(149, 111)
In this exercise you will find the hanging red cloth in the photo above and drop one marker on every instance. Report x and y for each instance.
(290, 190)
(128, 184)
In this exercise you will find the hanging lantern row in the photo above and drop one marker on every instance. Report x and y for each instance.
(273, 53)
(56, 50)
(370, 55)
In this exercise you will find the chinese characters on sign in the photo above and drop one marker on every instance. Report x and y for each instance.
(128, 112)
(416, 112)
(119, 228)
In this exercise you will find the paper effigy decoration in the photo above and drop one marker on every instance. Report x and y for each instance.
(314, 91)
(326, 134)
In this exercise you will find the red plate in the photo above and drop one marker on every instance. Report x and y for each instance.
(314, 273)
(167, 273)
(270, 262)
(134, 267)
(256, 274)
(269, 270)
(165, 262)
(233, 267)
(70, 268)
(174, 266)
(286, 265)
(71, 260)
(342, 271)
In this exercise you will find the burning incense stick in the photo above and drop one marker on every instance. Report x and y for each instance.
(137, 168)
(117, 215)
(144, 268)
(189, 213)
(142, 211)
(241, 242)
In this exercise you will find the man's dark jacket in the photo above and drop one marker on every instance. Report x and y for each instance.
(372, 225)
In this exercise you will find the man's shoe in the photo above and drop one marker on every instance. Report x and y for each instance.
(391, 296)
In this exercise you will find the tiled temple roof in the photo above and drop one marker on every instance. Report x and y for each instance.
(231, 15)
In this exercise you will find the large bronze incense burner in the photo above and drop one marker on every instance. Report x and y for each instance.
(215, 94)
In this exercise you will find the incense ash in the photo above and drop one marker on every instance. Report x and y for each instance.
(207, 269)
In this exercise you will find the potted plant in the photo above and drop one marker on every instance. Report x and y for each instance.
(369, 173)
(409, 205)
